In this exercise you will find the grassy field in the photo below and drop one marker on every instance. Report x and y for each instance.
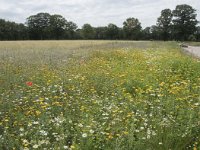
(98, 95)
(193, 43)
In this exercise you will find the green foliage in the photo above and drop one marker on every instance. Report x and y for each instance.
(146, 33)
(87, 31)
(155, 32)
(132, 28)
(45, 26)
(100, 32)
(12, 31)
(57, 26)
(38, 26)
(198, 33)
(184, 21)
(112, 32)
(164, 23)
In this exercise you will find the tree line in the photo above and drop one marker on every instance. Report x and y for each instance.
(179, 24)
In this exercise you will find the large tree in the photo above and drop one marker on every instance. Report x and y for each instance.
(100, 32)
(198, 33)
(87, 31)
(112, 32)
(146, 33)
(155, 32)
(184, 21)
(57, 26)
(70, 30)
(164, 23)
(12, 31)
(39, 26)
(132, 28)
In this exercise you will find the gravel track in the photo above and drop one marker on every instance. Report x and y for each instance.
(194, 50)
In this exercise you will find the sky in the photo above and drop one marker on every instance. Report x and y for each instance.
(94, 12)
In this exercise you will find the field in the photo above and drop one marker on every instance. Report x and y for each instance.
(193, 43)
(98, 95)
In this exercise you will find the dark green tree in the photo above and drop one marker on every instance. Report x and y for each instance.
(100, 32)
(39, 26)
(87, 32)
(132, 29)
(70, 30)
(164, 22)
(146, 33)
(184, 21)
(112, 32)
(155, 32)
(198, 33)
(57, 27)
(12, 31)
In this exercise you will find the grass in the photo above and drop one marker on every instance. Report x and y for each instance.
(193, 43)
(87, 95)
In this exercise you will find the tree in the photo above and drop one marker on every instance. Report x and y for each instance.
(164, 23)
(3, 29)
(70, 30)
(12, 31)
(184, 21)
(198, 33)
(146, 33)
(112, 32)
(132, 28)
(39, 26)
(155, 32)
(22, 32)
(100, 32)
(87, 31)
(57, 26)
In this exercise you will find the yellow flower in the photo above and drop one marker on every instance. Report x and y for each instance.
(72, 147)
(125, 132)
(162, 83)
(37, 112)
(110, 136)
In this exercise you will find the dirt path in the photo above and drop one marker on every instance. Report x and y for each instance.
(194, 50)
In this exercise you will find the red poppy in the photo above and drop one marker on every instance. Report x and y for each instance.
(29, 83)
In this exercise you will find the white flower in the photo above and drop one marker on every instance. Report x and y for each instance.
(137, 131)
(148, 131)
(80, 125)
(25, 141)
(29, 124)
(141, 128)
(84, 135)
(160, 143)
(35, 146)
(35, 122)
(41, 142)
(91, 131)
(153, 133)
(21, 129)
(43, 132)
(65, 147)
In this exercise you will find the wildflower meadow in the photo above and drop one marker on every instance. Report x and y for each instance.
(98, 95)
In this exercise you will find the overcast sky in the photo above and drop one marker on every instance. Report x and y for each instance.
(95, 12)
